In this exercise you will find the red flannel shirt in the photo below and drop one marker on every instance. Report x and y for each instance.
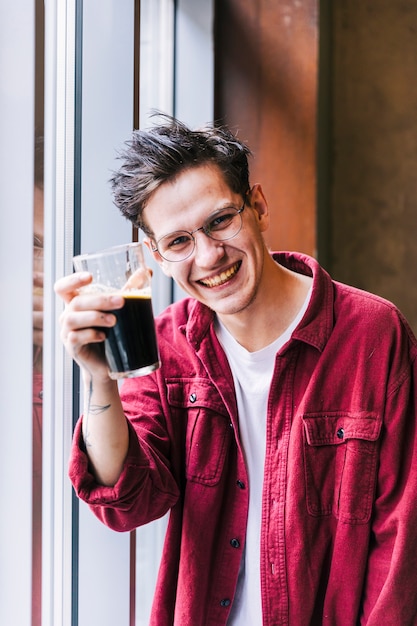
(339, 513)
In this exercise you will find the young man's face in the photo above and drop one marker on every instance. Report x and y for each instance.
(224, 275)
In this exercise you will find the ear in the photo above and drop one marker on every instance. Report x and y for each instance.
(259, 204)
(165, 267)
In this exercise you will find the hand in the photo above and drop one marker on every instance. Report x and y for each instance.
(83, 320)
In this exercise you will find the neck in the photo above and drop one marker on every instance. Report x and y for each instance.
(278, 301)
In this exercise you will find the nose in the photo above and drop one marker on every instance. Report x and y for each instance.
(208, 251)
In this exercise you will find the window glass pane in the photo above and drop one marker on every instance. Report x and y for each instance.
(16, 257)
(107, 80)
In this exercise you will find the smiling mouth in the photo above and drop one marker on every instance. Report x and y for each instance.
(223, 277)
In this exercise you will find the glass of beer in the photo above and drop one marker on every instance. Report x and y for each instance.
(130, 346)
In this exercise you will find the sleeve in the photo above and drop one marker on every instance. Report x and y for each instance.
(390, 592)
(146, 488)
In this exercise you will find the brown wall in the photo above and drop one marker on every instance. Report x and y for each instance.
(266, 82)
(374, 137)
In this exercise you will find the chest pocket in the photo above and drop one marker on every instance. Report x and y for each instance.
(208, 430)
(340, 453)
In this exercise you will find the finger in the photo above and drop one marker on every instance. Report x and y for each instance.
(94, 303)
(86, 346)
(139, 279)
(79, 339)
(68, 287)
(82, 320)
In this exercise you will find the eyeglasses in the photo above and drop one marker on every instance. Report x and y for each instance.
(220, 226)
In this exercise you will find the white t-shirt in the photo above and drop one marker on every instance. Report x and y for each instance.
(252, 374)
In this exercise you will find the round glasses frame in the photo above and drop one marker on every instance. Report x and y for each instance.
(221, 225)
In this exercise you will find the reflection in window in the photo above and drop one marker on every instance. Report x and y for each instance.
(37, 402)
(38, 247)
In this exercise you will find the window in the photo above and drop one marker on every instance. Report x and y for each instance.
(95, 92)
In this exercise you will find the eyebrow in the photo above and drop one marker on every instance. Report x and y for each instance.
(228, 205)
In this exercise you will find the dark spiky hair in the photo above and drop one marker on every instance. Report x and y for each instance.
(157, 155)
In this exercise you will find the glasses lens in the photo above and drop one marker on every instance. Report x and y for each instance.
(176, 246)
(221, 225)
(224, 224)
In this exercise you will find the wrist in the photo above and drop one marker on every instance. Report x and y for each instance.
(101, 382)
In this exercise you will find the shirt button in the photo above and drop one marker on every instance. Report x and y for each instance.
(225, 602)
(340, 433)
(240, 484)
(193, 397)
(235, 543)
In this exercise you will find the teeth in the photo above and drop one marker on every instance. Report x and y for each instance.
(215, 281)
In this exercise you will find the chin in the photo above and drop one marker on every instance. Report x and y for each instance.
(231, 308)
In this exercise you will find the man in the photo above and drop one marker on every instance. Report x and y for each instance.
(279, 431)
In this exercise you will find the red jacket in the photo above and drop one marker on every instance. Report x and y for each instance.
(339, 518)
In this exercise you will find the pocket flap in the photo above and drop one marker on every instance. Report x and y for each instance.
(195, 393)
(336, 427)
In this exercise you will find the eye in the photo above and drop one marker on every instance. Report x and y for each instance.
(175, 241)
(221, 220)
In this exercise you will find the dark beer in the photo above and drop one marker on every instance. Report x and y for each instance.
(131, 345)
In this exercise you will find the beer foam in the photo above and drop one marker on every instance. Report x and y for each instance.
(125, 291)
(95, 288)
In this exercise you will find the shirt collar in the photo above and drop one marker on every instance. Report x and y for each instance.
(317, 323)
